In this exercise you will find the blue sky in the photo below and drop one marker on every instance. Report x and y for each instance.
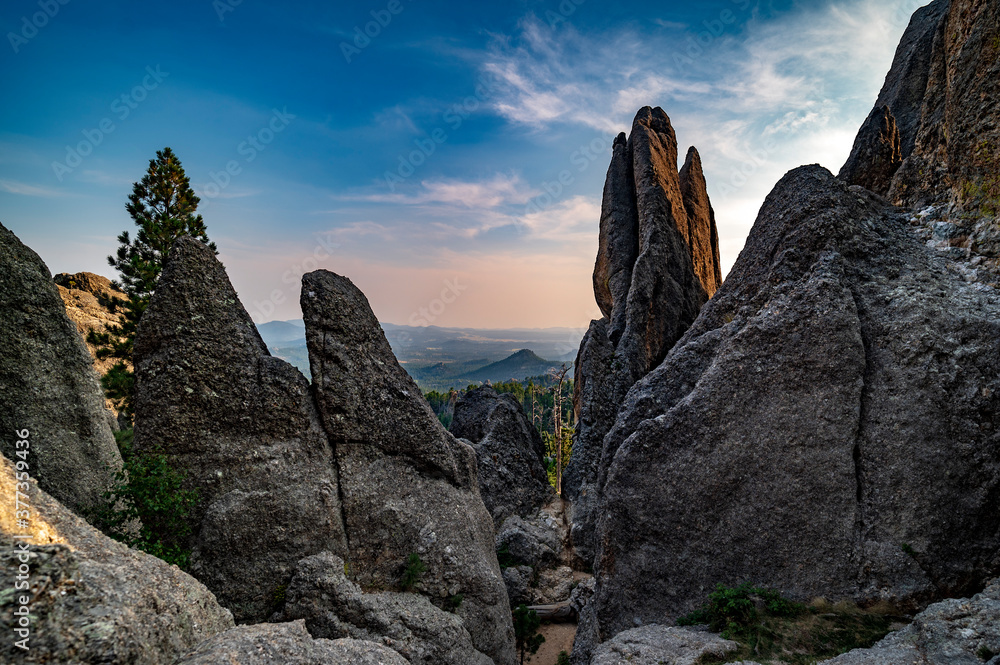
(424, 159)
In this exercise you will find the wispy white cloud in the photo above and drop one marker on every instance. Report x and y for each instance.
(15, 187)
(502, 189)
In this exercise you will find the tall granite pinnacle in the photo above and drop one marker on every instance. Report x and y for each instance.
(657, 264)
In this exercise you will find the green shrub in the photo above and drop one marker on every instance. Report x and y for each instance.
(733, 611)
(452, 603)
(414, 571)
(563, 658)
(146, 506)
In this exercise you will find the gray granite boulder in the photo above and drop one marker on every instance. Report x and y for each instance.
(91, 599)
(288, 644)
(49, 386)
(963, 631)
(827, 427)
(661, 645)
(509, 452)
(334, 607)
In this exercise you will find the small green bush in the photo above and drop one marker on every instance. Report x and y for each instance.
(146, 506)
(563, 658)
(452, 603)
(733, 611)
(415, 569)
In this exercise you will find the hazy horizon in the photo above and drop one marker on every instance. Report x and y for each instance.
(422, 160)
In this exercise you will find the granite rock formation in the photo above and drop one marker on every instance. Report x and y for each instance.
(509, 452)
(288, 644)
(92, 599)
(49, 386)
(836, 400)
(661, 645)
(244, 429)
(889, 134)
(657, 264)
(943, 96)
(962, 631)
(334, 607)
(89, 300)
(407, 485)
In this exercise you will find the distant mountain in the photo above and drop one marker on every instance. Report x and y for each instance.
(521, 365)
(280, 333)
(439, 358)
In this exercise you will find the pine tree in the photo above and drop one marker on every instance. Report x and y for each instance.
(163, 206)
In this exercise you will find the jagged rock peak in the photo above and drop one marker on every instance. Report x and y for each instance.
(408, 486)
(657, 264)
(49, 386)
(242, 426)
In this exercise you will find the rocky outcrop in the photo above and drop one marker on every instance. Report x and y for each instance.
(288, 644)
(889, 134)
(657, 264)
(334, 607)
(509, 451)
(661, 645)
(49, 386)
(407, 485)
(91, 599)
(943, 95)
(90, 301)
(243, 428)
(959, 631)
(827, 426)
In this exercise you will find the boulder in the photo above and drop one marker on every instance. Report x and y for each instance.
(289, 644)
(661, 645)
(657, 264)
(826, 428)
(528, 542)
(49, 386)
(509, 452)
(407, 485)
(242, 426)
(334, 607)
(962, 631)
(92, 599)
